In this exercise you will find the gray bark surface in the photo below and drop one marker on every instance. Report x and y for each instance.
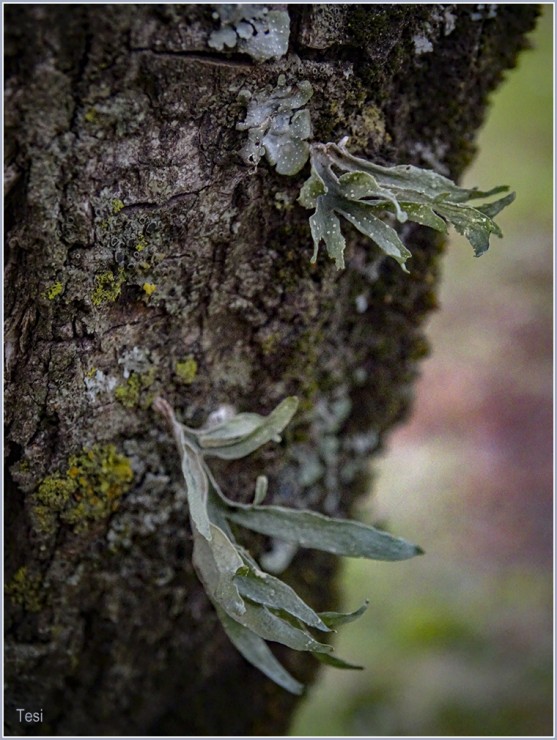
(122, 160)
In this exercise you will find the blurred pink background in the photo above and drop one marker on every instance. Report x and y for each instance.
(460, 641)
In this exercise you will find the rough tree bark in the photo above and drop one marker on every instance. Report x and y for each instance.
(131, 222)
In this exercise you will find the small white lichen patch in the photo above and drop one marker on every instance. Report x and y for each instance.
(283, 201)
(278, 126)
(252, 29)
(135, 360)
(484, 11)
(361, 303)
(450, 22)
(443, 18)
(99, 383)
(422, 44)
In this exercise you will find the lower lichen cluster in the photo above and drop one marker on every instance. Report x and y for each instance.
(25, 590)
(252, 605)
(89, 490)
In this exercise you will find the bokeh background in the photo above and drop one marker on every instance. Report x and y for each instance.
(459, 642)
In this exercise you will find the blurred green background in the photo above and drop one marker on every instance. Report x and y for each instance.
(459, 642)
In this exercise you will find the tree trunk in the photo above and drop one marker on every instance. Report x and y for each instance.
(145, 258)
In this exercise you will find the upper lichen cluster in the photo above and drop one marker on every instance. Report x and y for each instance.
(252, 29)
(278, 126)
(367, 195)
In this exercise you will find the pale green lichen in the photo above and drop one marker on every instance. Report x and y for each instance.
(25, 590)
(252, 605)
(364, 194)
(108, 287)
(278, 126)
(88, 491)
(186, 370)
(252, 29)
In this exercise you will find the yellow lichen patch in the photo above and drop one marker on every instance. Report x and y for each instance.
(90, 373)
(102, 476)
(52, 497)
(129, 393)
(107, 287)
(55, 491)
(53, 290)
(149, 288)
(186, 370)
(270, 343)
(117, 205)
(89, 490)
(369, 124)
(25, 590)
(91, 115)
(140, 246)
